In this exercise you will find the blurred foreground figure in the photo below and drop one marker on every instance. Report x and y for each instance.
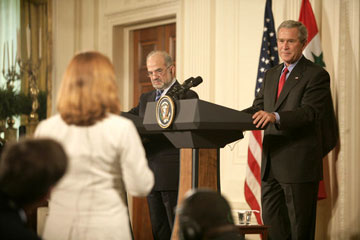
(205, 214)
(28, 171)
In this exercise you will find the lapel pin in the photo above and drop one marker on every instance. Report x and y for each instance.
(296, 78)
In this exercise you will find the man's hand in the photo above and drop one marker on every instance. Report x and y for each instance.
(262, 118)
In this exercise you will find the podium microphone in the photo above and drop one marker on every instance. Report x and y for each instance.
(178, 92)
(192, 82)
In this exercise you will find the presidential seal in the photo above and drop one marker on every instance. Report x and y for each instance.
(165, 111)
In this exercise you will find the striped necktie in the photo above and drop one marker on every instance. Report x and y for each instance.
(158, 94)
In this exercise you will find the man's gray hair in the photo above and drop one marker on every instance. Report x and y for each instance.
(303, 33)
(167, 58)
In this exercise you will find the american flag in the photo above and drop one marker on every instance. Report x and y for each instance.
(268, 59)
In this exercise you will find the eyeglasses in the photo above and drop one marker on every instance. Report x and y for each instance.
(158, 71)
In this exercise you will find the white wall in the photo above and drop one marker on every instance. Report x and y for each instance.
(220, 41)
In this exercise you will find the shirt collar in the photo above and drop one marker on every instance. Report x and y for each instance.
(291, 66)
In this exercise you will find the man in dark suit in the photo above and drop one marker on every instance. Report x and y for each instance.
(163, 157)
(28, 171)
(293, 104)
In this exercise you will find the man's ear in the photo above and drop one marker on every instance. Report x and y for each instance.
(173, 70)
(304, 46)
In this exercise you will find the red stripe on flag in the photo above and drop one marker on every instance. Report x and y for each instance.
(254, 166)
(258, 136)
(308, 19)
(251, 200)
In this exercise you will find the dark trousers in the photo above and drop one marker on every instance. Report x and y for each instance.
(289, 209)
(162, 213)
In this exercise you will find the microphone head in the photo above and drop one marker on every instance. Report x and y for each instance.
(192, 82)
(188, 81)
(197, 81)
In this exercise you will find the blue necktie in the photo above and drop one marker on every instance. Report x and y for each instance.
(158, 94)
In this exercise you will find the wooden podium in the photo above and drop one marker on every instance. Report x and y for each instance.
(199, 129)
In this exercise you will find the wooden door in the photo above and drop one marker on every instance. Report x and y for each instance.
(146, 40)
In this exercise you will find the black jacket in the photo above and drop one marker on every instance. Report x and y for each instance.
(12, 227)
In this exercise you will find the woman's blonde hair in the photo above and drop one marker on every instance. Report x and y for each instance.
(88, 90)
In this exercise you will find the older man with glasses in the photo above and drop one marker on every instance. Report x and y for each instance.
(163, 157)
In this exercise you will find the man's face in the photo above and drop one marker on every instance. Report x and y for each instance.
(289, 46)
(160, 75)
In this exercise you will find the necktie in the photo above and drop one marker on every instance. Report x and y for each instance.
(282, 82)
(158, 94)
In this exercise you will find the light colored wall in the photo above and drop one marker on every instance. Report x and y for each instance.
(220, 41)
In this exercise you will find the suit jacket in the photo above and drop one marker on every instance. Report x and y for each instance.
(308, 128)
(163, 157)
(11, 225)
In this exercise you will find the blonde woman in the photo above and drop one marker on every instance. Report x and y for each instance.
(106, 157)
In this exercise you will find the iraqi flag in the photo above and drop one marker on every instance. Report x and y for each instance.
(313, 49)
(314, 53)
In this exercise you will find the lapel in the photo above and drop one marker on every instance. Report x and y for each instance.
(176, 84)
(273, 83)
(144, 99)
(294, 77)
(151, 96)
